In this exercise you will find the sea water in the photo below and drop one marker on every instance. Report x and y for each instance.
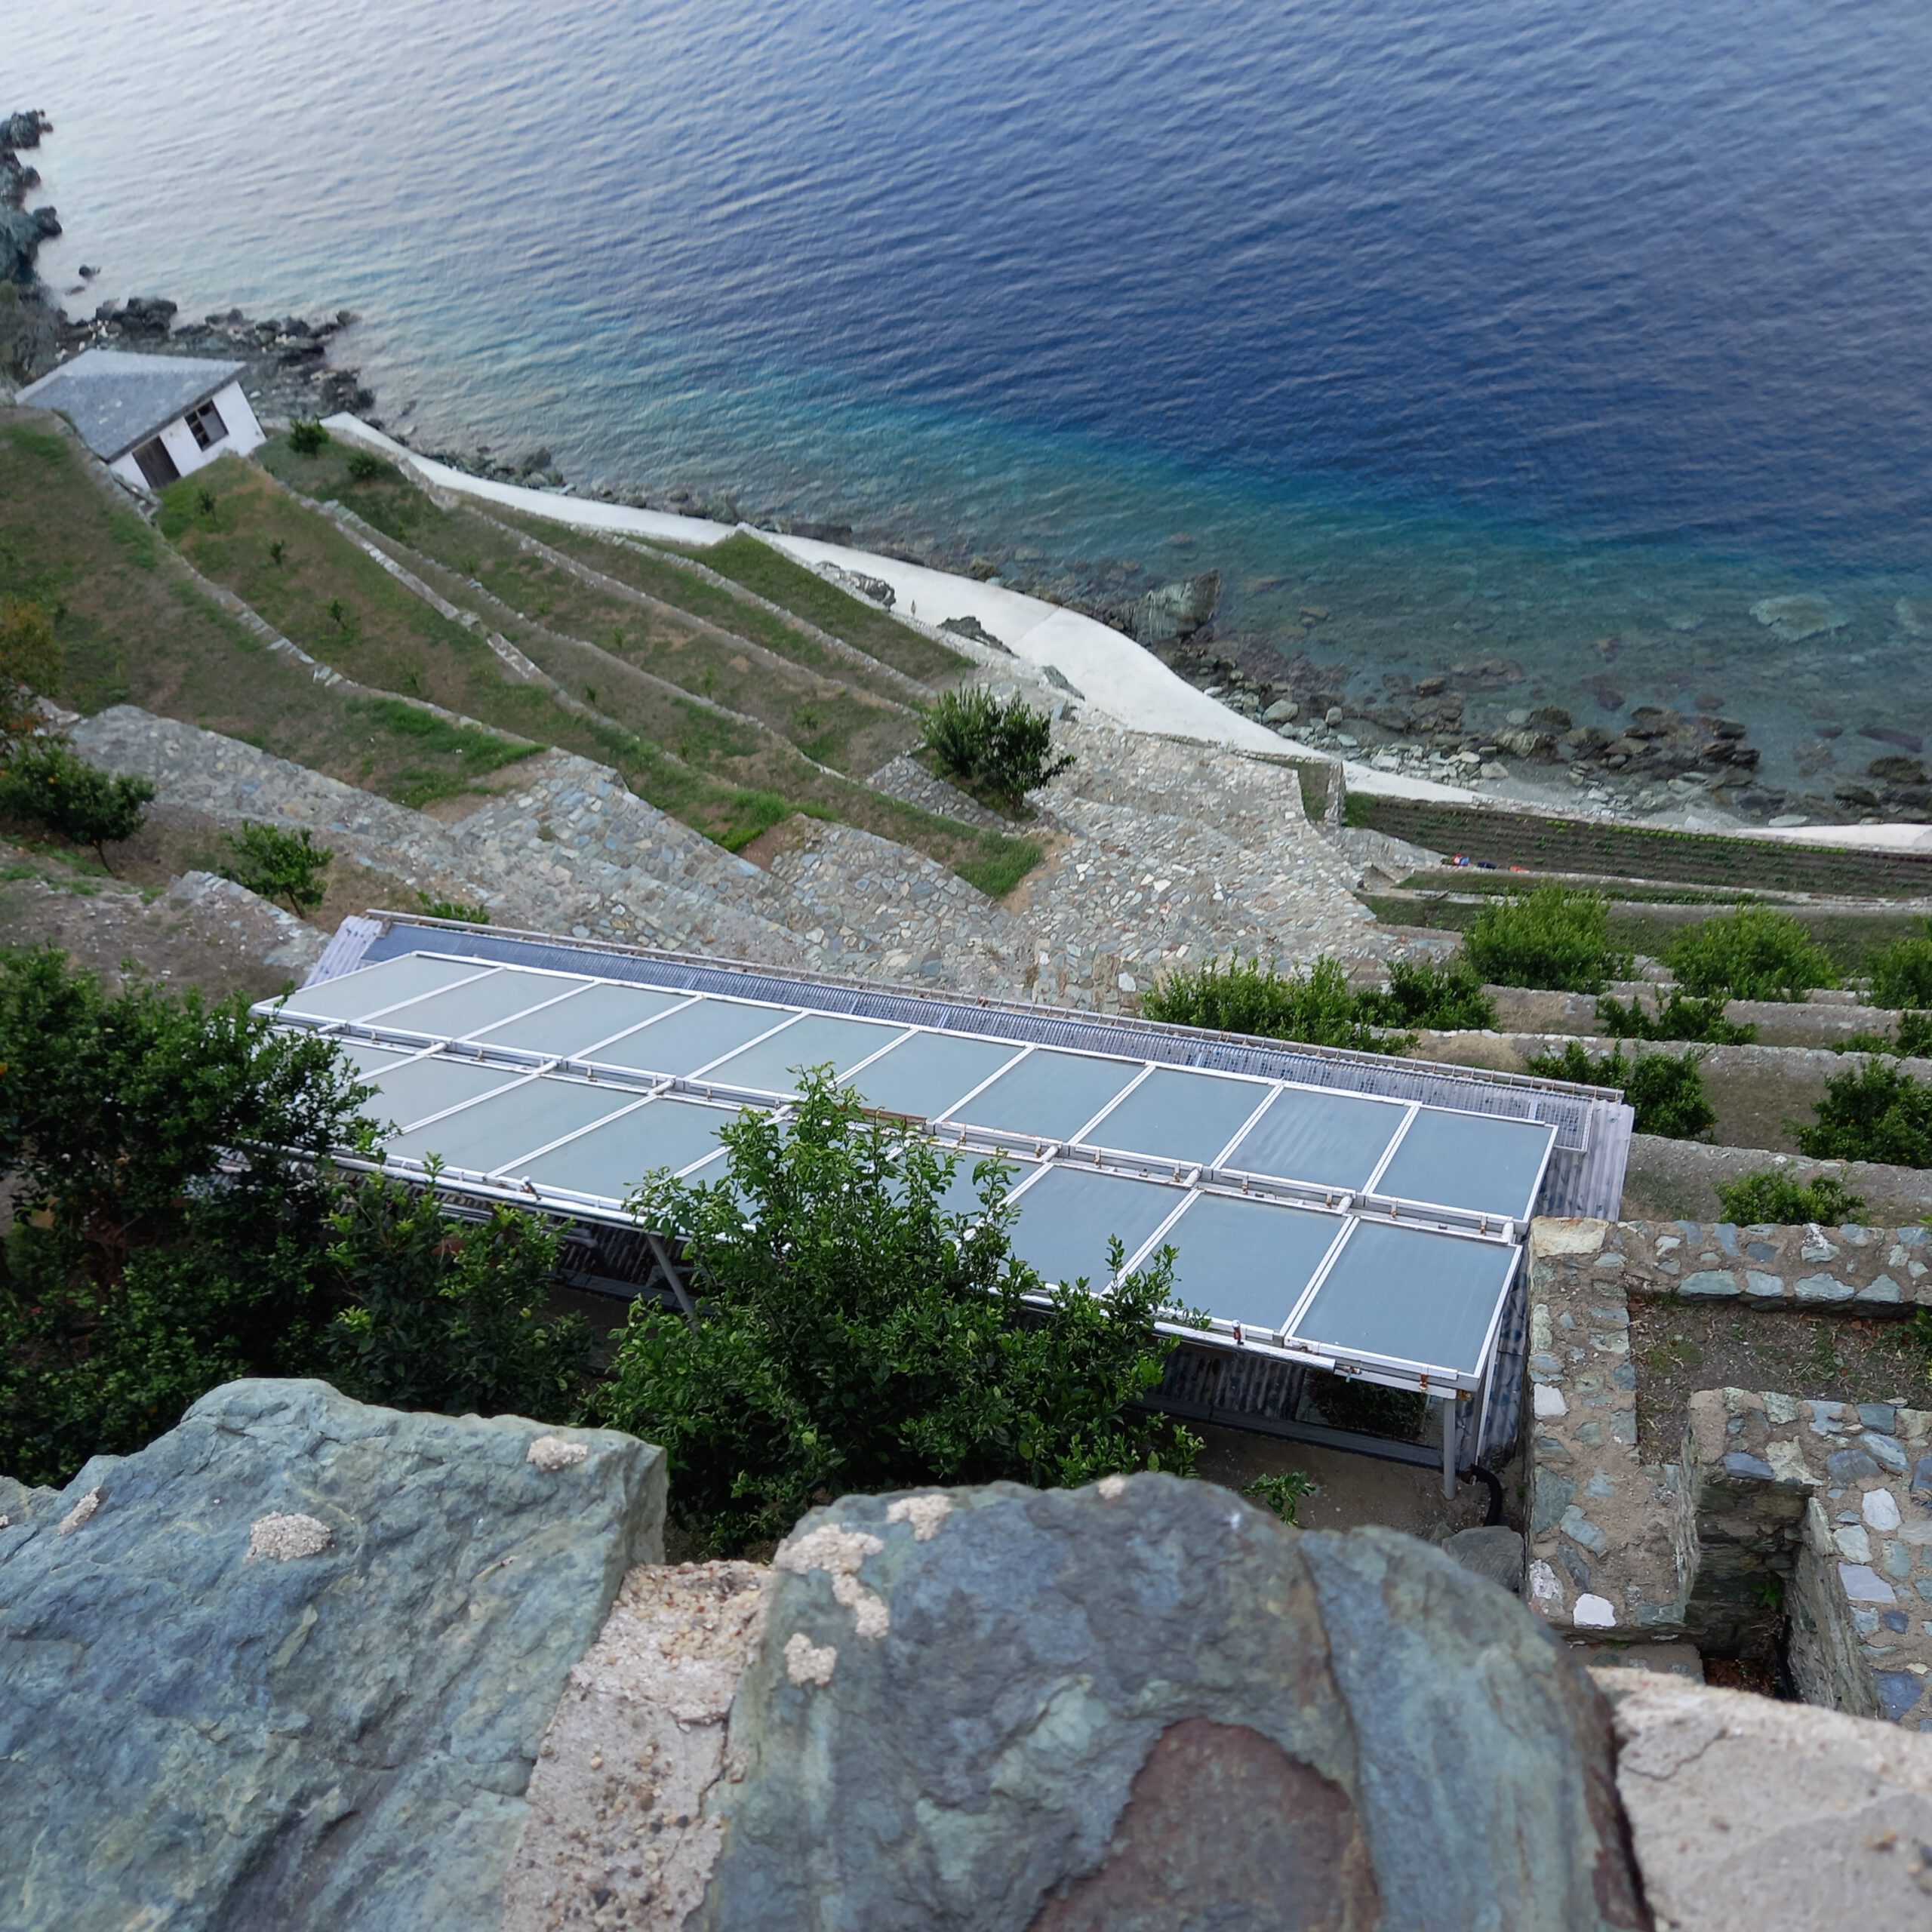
(1526, 335)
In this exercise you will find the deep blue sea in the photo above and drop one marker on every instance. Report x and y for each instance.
(1553, 332)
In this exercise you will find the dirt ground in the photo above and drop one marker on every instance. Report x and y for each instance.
(1681, 1346)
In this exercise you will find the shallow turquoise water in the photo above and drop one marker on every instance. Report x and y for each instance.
(1509, 331)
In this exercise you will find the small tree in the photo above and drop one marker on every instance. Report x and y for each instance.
(307, 437)
(49, 782)
(288, 865)
(1678, 1016)
(1002, 745)
(1448, 998)
(1552, 937)
(1666, 1091)
(29, 664)
(1902, 974)
(1873, 1112)
(447, 1314)
(365, 466)
(1772, 1195)
(1318, 1006)
(854, 1334)
(1753, 953)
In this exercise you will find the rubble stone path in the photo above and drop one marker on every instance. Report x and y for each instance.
(1159, 852)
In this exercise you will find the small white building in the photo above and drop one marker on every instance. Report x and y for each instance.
(151, 419)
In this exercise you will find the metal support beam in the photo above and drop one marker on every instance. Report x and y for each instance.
(661, 1255)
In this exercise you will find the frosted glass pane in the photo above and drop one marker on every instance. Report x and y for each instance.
(1469, 1160)
(682, 1042)
(1414, 1296)
(812, 1041)
(468, 1009)
(1334, 1140)
(1049, 1095)
(1248, 1261)
(926, 1072)
(490, 1135)
(420, 1087)
(610, 1160)
(1066, 1219)
(1180, 1116)
(583, 1019)
(356, 994)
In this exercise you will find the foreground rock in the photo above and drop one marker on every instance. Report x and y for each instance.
(1748, 1813)
(290, 1665)
(1141, 1705)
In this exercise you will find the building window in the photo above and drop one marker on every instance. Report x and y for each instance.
(206, 426)
(156, 465)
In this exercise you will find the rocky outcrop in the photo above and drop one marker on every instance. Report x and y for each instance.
(1172, 612)
(290, 1665)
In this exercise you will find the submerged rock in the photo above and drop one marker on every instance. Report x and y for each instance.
(293, 1666)
(1171, 612)
(1795, 619)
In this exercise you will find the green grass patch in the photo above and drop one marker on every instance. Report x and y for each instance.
(999, 864)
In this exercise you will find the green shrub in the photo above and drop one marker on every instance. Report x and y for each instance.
(453, 908)
(1912, 1040)
(1771, 1194)
(1001, 745)
(1319, 1007)
(1678, 1016)
(1902, 974)
(1666, 1091)
(1753, 953)
(288, 865)
(30, 662)
(1448, 999)
(1873, 1111)
(307, 437)
(48, 782)
(1346, 1401)
(442, 1313)
(149, 1257)
(365, 466)
(854, 1334)
(1552, 938)
(1284, 1494)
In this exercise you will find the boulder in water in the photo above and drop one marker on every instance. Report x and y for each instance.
(1795, 619)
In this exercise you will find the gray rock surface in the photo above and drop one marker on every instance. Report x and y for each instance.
(1749, 1815)
(1000, 1708)
(292, 1665)
(1494, 1551)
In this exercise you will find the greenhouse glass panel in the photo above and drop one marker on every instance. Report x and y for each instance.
(583, 1020)
(1308, 1134)
(1247, 1260)
(1472, 1160)
(375, 987)
(420, 1087)
(1410, 1295)
(610, 1160)
(368, 1061)
(682, 1042)
(927, 1072)
(487, 1137)
(1047, 1096)
(1067, 1215)
(771, 1066)
(467, 1009)
(1180, 1116)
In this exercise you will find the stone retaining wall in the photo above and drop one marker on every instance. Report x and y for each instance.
(1876, 1269)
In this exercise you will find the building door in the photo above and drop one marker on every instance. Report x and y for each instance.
(156, 465)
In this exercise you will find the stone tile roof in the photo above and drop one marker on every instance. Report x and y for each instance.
(116, 399)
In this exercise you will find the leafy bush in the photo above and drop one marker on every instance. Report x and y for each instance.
(1284, 1494)
(1912, 1040)
(1319, 1007)
(48, 782)
(30, 663)
(288, 865)
(1873, 1111)
(1753, 953)
(1001, 745)
(1666, 1091)
(1448, 999)
(453, 908)
(1902, 974)
(1346, 1401)
(1773, 1196)
(1552, 938)
(1679, 1016)
(150, 1258)
(307, 437)
(449, 1315)
(854, 1334)
(365, 466)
